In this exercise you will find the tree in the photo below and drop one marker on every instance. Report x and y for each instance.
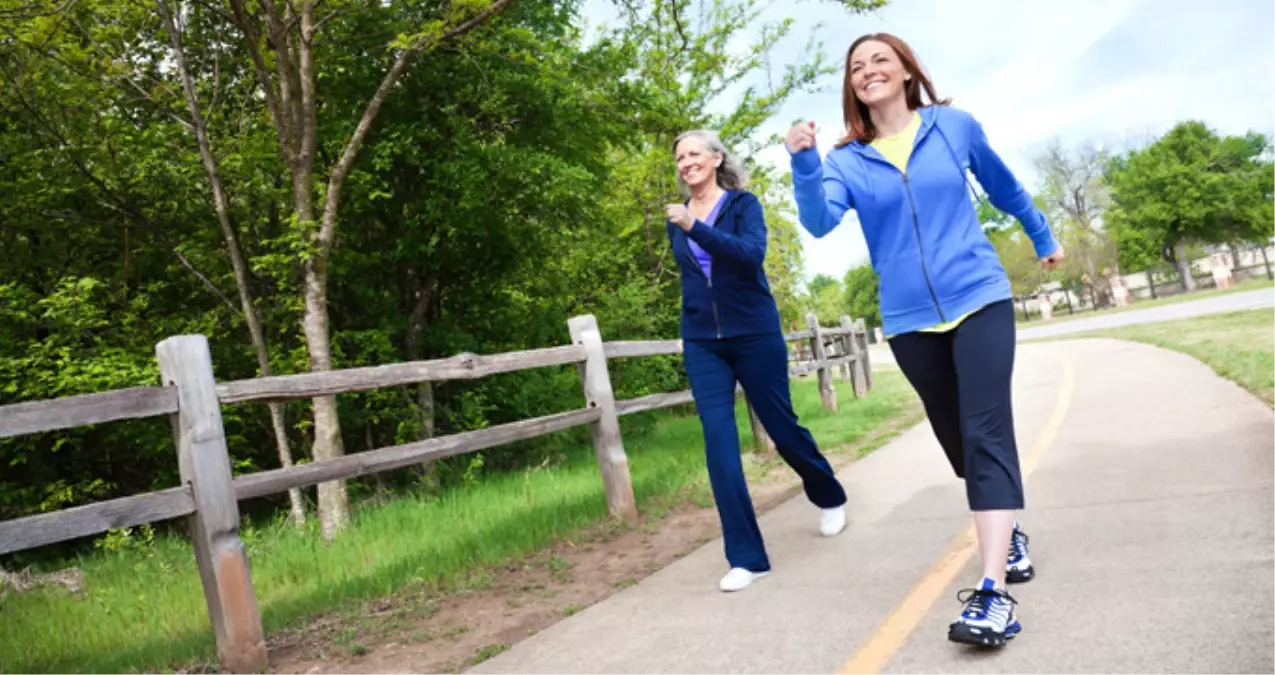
(1074, 196)
(1018, 257)
(1189, 186)
(221, 204)
(291, 33)
(863, 294)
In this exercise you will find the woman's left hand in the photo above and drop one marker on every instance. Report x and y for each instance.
(680, 216)
(1051, 261)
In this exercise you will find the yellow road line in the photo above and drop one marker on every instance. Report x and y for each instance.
(891, 633)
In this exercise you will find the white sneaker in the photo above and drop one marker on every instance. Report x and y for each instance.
(832, 521)
(738, 578)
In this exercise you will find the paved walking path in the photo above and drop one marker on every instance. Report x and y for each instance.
(1149, 507)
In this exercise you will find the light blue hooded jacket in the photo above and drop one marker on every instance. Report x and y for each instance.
(924, 238)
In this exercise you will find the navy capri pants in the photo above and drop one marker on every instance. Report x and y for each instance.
(964, 377)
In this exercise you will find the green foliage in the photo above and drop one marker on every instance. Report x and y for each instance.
(863, 295)
(514, 177)
(1190, 186)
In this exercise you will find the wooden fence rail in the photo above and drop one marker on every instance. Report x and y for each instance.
(209, 493)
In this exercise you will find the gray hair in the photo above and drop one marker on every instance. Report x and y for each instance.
(731, 175)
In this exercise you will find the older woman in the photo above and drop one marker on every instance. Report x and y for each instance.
(731, 333)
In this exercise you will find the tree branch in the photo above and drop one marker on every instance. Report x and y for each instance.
(211, 286)
(336, 178)
(251, 38)
(34, 10)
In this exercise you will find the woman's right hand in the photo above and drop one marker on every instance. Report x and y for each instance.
(800, 137)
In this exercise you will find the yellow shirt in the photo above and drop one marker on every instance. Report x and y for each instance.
(897, 149)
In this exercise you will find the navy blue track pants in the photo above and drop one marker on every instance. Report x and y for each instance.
(760, 364)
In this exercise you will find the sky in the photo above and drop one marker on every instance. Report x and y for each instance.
(1118, 73)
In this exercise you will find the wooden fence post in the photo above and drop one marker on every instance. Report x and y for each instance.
(856, 368)
(861, 339)
(761, 440)
(607, 443)
(826, 392)
(204, 463)
(845, 347)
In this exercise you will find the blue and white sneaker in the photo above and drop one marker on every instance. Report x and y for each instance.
(988, 619)
(1019, 569)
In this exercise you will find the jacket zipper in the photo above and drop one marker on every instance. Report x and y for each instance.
(712, 297)
(916, 226)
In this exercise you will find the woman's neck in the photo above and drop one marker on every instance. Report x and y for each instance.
(705, 192)
(891, 118)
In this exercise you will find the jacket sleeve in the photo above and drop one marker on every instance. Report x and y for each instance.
(1006, 193)
(747, 247)
(820, 190)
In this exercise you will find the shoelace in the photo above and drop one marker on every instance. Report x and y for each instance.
(1018, 544)
(980, 600)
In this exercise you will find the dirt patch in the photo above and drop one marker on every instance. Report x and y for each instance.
(430, 631)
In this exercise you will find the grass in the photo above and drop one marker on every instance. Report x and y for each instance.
(1238, 346)
(143, 609)
(1060, 316)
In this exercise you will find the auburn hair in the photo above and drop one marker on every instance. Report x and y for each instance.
(859, 125)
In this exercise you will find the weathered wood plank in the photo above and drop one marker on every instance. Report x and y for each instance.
(459, 367)
(799, 335)
(18, 419)
(21, 534)
(807, 367)
(250, 486)
(204, 463)
(841, 330)
(653, 402)
(608, 444)
(827, 394)
(626, 349)
(861, 349)
(848, 346)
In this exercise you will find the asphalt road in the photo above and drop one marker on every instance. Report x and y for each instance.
(1149, 505)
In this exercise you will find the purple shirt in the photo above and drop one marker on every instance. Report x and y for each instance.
(705, 260)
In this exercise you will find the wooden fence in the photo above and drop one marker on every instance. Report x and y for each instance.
(209, 493)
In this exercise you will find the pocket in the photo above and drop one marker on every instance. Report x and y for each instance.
(903, 286)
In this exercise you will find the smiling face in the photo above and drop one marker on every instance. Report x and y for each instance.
(876, 73)
(696, 162)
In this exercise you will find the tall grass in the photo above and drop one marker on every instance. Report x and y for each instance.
(143, 608)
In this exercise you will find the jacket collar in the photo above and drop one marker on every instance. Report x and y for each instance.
(928, 115)
(731, 196)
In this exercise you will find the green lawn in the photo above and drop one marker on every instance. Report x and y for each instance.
(143, 609)
(1238, 346)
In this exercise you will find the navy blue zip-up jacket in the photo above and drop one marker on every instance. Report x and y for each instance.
(737, 300)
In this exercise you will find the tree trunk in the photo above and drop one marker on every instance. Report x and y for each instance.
(334, 505)
(1267, 262)
(1235, 256)
(1184, 268)
(416, 325)
(221, 204)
